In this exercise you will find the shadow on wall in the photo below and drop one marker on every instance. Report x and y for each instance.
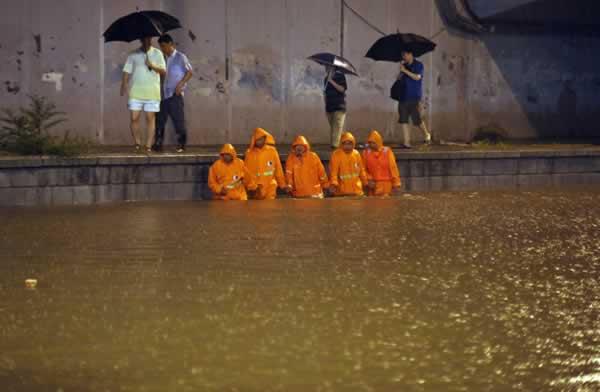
(551, 77)
(555, 80)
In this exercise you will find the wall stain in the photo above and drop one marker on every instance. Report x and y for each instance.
(38, 43)
(313, 76)
(257, 68)
(207, 71)
(12, 87)
(192, 35)
(370, 84)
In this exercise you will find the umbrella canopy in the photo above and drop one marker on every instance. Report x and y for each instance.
(332, 60)
(390, 47)
(139, 25)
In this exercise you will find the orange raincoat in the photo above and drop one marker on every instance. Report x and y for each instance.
(346, 170)
(381, 167)
(306, 175)
(233, 178)
(265, 166)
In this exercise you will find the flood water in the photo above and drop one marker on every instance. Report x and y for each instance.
(425, 292)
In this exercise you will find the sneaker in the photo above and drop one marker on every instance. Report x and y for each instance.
(180, 149)
(406, 146)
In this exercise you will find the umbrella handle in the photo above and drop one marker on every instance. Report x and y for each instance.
(326, 82)
(147, 59)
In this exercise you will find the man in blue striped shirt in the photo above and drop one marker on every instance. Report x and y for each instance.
(179, 72)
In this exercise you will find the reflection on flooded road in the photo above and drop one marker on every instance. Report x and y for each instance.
(435, 292)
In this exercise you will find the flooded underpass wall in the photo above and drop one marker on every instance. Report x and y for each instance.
(251, 70)
(95, 180)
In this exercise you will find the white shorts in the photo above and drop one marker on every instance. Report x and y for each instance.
(146, 105)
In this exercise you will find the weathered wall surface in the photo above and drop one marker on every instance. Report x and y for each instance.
(251, 69)
(91, 180)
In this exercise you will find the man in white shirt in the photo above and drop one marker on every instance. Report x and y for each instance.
(143, 67)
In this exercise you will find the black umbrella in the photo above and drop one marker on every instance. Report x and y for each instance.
(139, 25)
(390, 47)
(332, 60)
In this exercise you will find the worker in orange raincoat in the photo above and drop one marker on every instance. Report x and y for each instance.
(346, 170)
(304, 171)
(380, 164)
(263, 163)
(228, 178)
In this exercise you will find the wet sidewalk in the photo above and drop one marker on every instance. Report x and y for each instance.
(514, 148)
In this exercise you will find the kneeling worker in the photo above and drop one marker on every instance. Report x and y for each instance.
(304, 171)
(263, 163)
(228, 177)
(380, 164)
(346, 171)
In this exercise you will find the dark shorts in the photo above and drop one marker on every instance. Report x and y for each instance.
(409, 110)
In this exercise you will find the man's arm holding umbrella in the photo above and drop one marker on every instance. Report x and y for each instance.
(337, 86)
(158, 68)
(413, 76)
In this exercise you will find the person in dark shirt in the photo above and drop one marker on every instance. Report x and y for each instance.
(335, 103)
(409, 101)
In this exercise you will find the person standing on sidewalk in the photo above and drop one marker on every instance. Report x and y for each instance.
(144, 67)
(410, 82)
(179, 72)
(335, 103)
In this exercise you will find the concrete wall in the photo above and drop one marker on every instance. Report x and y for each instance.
(90, 180)
(249, 57)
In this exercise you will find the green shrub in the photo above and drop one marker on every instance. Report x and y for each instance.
(26, 131)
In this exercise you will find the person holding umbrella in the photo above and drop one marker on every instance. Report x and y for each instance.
(335, 103)
(143, 67)
(334, 89)
(410, 94)
(408, 88)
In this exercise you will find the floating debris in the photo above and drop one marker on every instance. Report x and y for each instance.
(31, 284)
